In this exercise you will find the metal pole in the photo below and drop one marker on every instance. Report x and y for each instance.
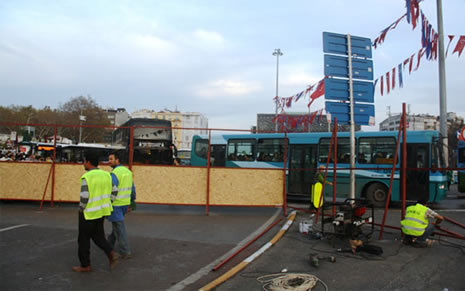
(285, 170)
(277, 52)
(54, 164)
(131, 147)
(335, 166)
(80, 127)
(352, 122)
(207, 200)
(393, 172)
(442, 86)
(403, 172)
(80, 131)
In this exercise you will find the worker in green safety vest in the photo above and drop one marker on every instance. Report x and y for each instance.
(416, 226)
(96, 195)
(317, 187)
(125, 201)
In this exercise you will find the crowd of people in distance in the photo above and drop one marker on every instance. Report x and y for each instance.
(7, 155)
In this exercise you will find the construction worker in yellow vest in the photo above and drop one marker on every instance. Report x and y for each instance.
(124, 202)
(416, 226)
(95, 203)
(317, 186)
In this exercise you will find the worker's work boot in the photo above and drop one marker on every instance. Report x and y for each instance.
(113, 259)
(80, 269)
(125, 256)
(429, 242)
(354, 244)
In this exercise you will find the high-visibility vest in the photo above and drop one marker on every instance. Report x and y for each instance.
(415, 221)
(100, 186)
(124, 176)
(317, 200)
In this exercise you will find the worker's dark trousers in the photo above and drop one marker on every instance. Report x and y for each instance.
(91, 229)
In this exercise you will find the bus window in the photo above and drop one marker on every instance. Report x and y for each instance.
(270, 150)
(241, 150)
(377, 150)
(343, 150)
(201, 148)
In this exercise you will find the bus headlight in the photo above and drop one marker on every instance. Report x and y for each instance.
(442, 187)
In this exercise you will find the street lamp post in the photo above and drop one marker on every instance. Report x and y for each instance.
(277, 52)
(442, 87)
(81, 119)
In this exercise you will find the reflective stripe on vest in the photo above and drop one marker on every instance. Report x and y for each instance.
(100, 186)
(415, 221)
(124, 176)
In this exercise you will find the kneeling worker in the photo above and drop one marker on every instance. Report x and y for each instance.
(415, 224)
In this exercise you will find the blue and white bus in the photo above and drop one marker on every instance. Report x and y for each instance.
(307, 151)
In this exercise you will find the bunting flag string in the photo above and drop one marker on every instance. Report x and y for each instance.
(380, 39)
(286, 102)
(388, 84)
(460, 45)
(393, 78)
(429, 47)
(286, 122)
(401, 81)
(391, 75)
(412, 16)
(319, 91)
(451, 37)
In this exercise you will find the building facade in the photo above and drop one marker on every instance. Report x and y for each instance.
(185, 125)
(418, 121)
(117, 116)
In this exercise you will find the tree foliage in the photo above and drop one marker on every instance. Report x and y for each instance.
(452, 140)
(66, 114)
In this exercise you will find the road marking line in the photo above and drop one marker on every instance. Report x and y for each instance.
(13, 227)
(205, 270)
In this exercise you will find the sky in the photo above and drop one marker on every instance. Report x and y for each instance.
(213, 57)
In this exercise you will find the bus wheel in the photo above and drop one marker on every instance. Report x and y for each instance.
(377, 194)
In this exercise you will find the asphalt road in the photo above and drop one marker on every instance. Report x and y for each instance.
(176, 247)
(170, 245)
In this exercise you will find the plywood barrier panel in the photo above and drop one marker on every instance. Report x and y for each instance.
(254, 187)
(170, 185)
(24, 180)
(68, 179)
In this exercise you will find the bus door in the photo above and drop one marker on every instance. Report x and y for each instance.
(302, 167)
(417, 171)
(218, 155)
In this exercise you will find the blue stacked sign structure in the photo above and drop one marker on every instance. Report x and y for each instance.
(337, 83)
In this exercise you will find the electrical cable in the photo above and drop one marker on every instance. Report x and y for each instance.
(447, 243)
(290, 281)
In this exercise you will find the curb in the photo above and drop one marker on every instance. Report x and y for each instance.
(252, 257)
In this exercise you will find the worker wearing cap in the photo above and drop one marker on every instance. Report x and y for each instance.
(416, 226)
